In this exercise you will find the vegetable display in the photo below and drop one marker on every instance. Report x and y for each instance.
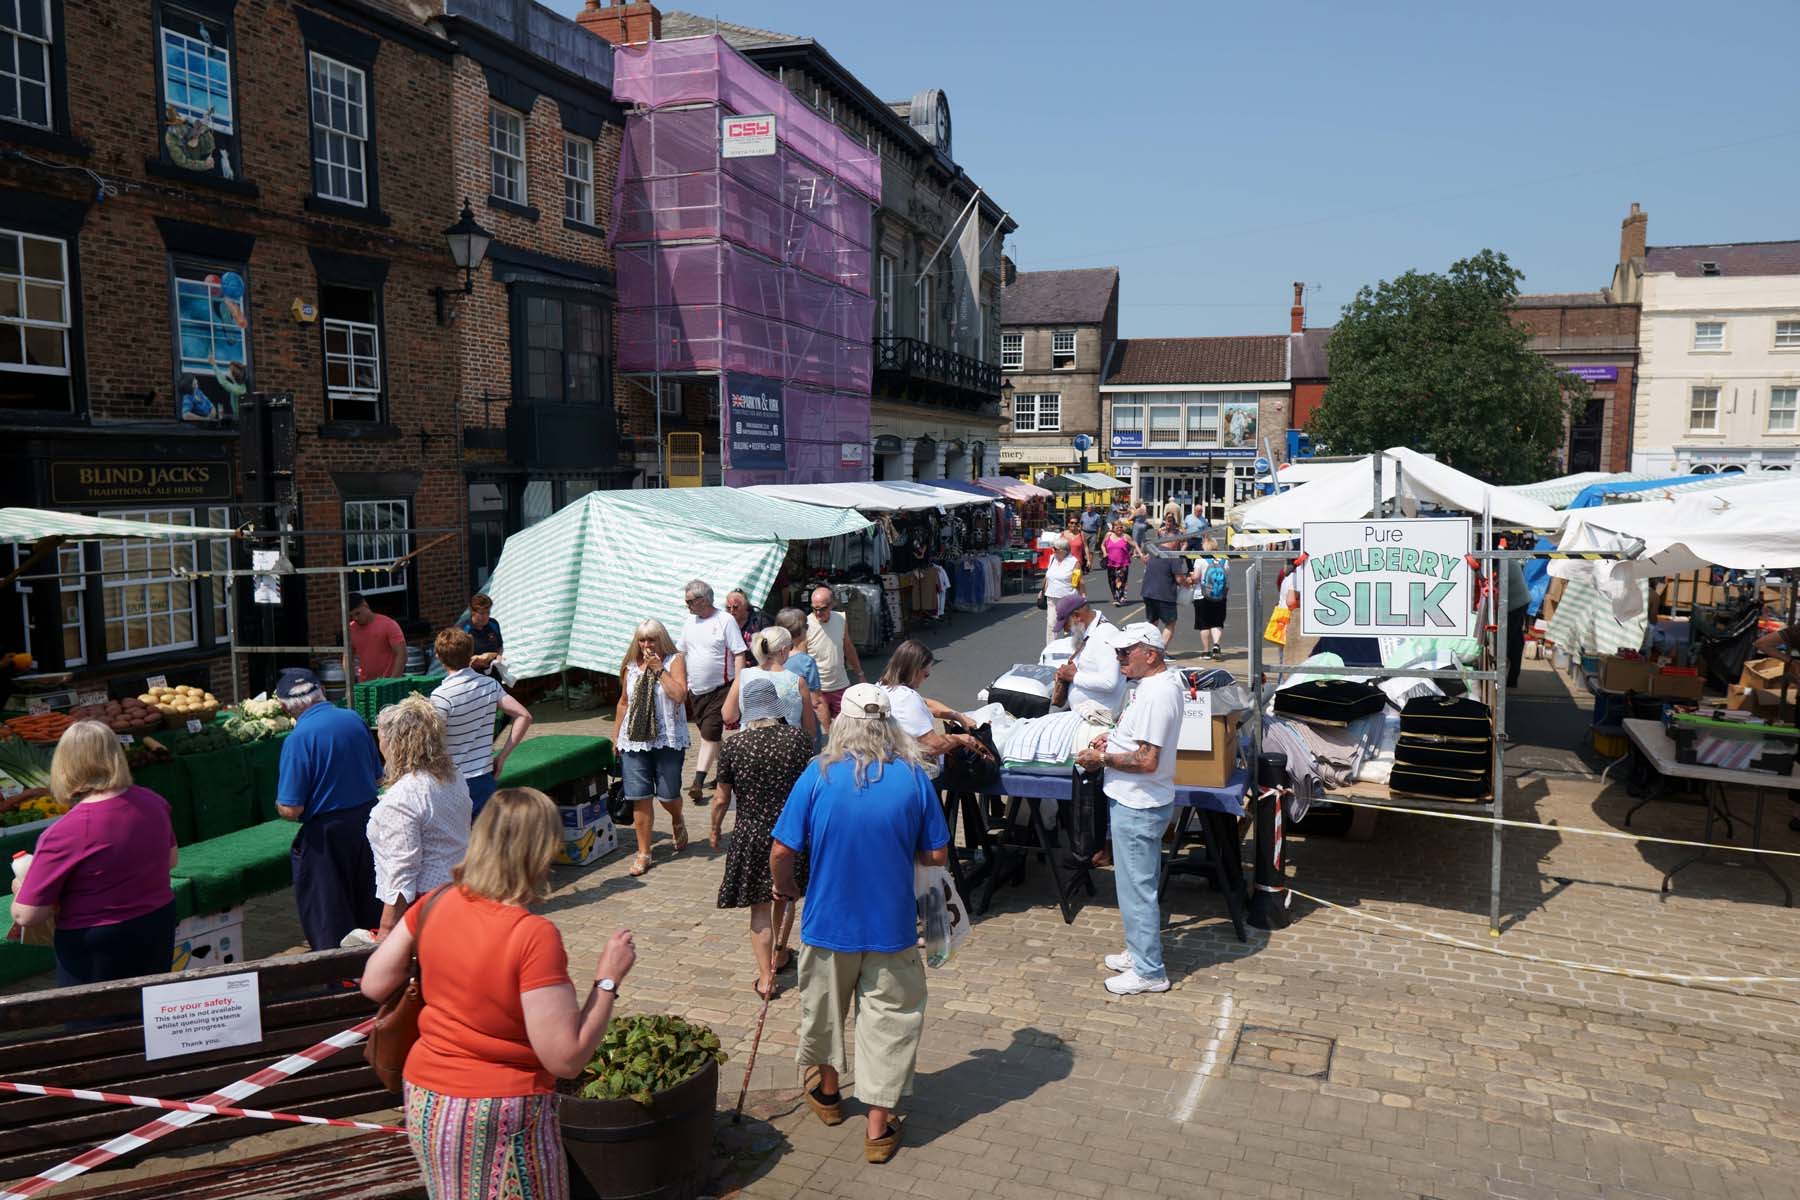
(179, 705)
(41, 728)
(209, 739)
(257, 720)
(129, 715)
(145, 752)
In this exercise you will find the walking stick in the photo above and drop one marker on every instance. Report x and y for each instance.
(737, 1117)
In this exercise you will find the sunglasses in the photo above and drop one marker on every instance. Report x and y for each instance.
(1124, 652)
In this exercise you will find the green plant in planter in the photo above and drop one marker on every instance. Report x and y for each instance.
(642, 1055)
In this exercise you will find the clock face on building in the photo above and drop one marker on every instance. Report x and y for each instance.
(943, 123)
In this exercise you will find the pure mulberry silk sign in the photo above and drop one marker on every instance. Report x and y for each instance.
(1383, 578)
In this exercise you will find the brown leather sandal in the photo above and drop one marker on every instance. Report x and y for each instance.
(830, 1114)
(883, 1148)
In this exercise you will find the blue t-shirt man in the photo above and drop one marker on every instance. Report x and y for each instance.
(860, 845)
(329, 763)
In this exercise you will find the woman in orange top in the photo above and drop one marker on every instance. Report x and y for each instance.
(501, 1022)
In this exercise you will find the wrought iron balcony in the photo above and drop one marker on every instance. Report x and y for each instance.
(907, 362)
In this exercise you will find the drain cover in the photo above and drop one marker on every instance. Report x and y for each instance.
(1284, 1051)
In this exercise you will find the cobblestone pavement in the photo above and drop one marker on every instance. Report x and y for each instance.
(1335, 1058)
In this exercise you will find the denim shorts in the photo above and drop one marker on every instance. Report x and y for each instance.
(652, 773)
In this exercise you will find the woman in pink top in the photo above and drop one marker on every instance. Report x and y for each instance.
(102, 869)
(1118, 550)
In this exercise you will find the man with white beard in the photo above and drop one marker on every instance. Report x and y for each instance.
(1092, 671)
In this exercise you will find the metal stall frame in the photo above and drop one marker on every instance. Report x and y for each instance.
(1490, 615)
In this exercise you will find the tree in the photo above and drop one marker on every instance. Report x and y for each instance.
(1433, 362)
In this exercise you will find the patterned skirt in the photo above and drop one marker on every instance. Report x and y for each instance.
(509, 1148)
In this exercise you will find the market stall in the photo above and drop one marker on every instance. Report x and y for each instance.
(931, 547)
(575, 585)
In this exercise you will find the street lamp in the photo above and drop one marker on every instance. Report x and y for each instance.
(468, 243)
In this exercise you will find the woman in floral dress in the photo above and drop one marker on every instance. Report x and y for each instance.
(758, 766)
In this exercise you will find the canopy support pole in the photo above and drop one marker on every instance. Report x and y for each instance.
(45, 546)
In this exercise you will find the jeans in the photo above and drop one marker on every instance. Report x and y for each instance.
(142, 945)
(1137, 871)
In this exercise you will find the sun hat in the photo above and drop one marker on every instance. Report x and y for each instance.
(759, 701)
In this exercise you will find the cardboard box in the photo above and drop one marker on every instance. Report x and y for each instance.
(1670, 684)
(209, 940)
(588, 834)
(1764, 673)
(1760, 702)
(1207, 752)
(1624, 674)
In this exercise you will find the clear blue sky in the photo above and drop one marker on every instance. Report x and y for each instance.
(1217, 152)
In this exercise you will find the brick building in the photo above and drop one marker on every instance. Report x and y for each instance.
(1056, 334)
(204, 202)
(1591, 336)
(534, 149)
(1191, 415)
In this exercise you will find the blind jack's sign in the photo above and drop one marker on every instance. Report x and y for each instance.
(1385, 578)
(103, 482)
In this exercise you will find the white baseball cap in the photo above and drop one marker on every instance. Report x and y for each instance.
(1138, 633)
(865, 702)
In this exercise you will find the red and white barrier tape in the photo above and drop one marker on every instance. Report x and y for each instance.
(194, 1106)
(164, 1125)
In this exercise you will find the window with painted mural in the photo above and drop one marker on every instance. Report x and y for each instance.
(147, 606)
(212, 340)
(36, 319)
(199, 126)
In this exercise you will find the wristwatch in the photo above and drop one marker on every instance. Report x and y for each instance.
(608, 985)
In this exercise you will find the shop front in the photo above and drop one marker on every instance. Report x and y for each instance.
(1219, 479)
(111, 607)
(1194, 445)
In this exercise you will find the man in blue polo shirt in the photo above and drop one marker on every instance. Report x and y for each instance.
(330, 769)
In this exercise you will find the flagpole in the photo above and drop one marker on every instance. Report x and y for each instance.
(956, 225)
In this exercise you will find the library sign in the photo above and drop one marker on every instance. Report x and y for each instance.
(1387, 578)
(87, 482)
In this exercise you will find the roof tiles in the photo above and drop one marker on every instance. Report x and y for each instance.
(1059, 297)
(1250, 359)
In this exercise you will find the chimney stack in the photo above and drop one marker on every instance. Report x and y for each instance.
(1297, 314)
(1632, 232)
(621, 22)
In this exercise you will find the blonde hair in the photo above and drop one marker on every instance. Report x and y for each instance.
(511, 848)
(866, 743)
(634, 653)
(771, 641)
(415, 737)
(88, 761)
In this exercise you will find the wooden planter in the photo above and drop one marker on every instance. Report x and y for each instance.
(663, 1152)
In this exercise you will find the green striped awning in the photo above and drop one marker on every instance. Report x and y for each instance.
(34, 524)
(570, 590)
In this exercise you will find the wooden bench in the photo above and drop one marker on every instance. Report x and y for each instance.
(304, 1000)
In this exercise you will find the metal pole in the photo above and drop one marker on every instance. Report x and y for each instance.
(231, 637)
(344, 620)
(1268, 895)
(1375, 460)
(1496, 565)
(1399, 482)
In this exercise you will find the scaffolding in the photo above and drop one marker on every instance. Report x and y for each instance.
(754, 266)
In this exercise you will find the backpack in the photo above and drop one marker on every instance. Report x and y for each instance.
(1215, 582)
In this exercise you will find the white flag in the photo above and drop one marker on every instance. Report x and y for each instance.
(966, 279)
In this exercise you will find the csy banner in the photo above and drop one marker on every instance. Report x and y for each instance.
(1379, 578)
(755, 426)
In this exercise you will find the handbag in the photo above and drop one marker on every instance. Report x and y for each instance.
(1042, 602)
(396, 1025)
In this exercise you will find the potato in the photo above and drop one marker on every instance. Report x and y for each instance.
(147, 698)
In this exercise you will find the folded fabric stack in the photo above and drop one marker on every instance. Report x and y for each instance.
(1446, 749)
(1329, 702)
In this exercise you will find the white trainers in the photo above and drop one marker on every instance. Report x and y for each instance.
(1118, 962)
(1130, 983)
